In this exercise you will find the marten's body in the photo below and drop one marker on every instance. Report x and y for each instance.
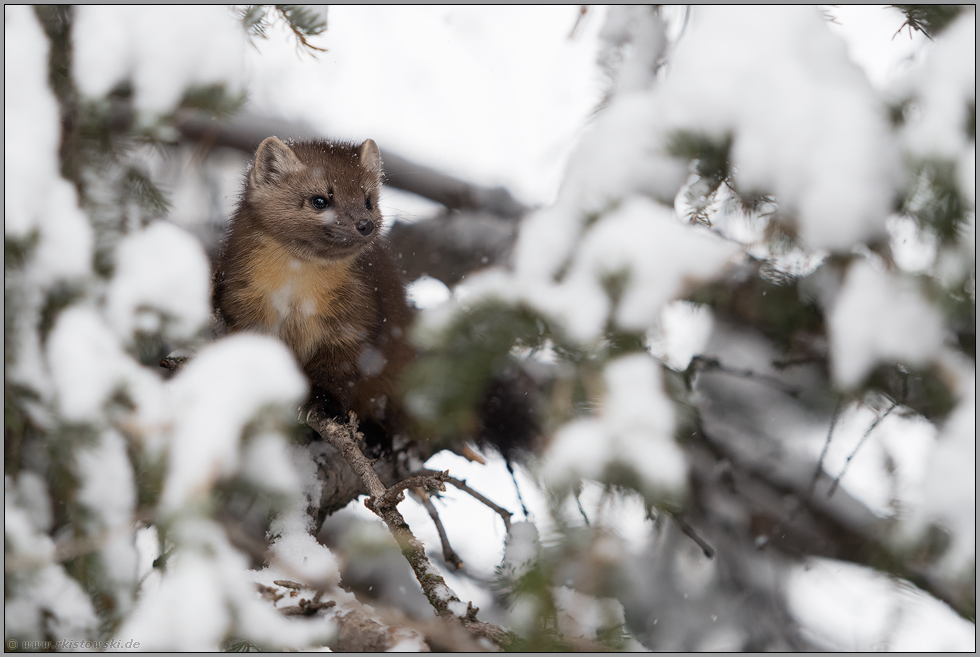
(304, 261)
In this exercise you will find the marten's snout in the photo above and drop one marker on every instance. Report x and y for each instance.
(365, 227)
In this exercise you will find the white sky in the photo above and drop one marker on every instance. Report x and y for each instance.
(495, 95)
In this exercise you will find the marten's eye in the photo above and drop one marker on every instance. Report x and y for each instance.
(367, 202)
(319, 202)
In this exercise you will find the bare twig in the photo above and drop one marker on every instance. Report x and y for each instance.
(341, 484)
(582, 11)
(361, 628)
(581, 510)
(826, 446)
(447, 550)
(425, 481)
(520, 498)
(829, 17)
(269, 592)
(501, 511)
(693, 535)
(836, 482)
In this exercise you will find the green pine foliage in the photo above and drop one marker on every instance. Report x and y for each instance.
(928, 19)
(445, 386)
(304, 22)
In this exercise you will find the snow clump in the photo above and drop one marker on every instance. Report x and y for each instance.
(162, 50)
(217, 394)
(633, 431)
(161, 269)
(878, 317)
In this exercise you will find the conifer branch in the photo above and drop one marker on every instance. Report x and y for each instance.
(837, 527)
(304, 23)
(301, 20)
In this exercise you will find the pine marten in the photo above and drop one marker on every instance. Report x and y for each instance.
(304, 261)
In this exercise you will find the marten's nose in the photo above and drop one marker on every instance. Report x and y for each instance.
(365, 227)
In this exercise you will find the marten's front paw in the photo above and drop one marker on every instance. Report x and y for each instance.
(310, 413)
(327, 405)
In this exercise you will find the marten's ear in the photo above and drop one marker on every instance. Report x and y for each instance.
(370, 157)
(272, 160)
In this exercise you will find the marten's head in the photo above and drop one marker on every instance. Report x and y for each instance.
(319, 199)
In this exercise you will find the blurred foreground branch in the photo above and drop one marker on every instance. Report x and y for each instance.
(737, 462)
(477, 228)
(245, 132)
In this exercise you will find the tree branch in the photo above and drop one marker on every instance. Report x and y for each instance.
(693, 535)
(740, 459)
(245, 132)
(451, 245)
(826, 446)
(424, 481)
(358, 631)
(781, 508)
(836, 482)
(477, 229)
(383, 501)
(501, 511)
(448, 553)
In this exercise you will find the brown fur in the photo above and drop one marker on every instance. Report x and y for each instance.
(313, 278)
